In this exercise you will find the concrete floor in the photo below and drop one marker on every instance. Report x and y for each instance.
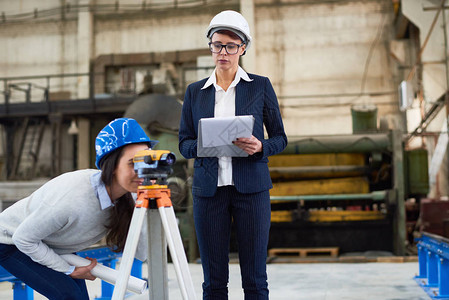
(304, 281)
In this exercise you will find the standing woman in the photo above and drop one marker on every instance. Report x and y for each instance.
(73, 211)
(232, 189)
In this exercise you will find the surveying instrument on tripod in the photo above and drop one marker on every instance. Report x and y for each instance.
(153, 195)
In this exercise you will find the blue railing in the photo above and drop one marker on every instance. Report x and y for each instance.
(433, 256)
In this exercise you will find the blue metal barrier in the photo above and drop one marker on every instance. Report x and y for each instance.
(433, 257)
(103, 255)
(20, 290)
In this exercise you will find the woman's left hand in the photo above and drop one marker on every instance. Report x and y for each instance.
(250, 145)
(84, 272)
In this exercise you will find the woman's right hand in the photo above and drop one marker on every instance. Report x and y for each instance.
(84, 272)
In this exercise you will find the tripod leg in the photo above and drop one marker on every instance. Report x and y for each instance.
(128, 254)
(157, 257)
(177, 252)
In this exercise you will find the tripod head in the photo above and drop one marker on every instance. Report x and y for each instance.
(154, 165)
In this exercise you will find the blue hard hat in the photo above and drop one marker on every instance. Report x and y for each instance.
(118, 133)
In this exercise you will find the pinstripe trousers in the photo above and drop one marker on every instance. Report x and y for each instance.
(251, 214)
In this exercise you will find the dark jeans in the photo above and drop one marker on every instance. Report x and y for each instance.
(251, 214)
(48, 282)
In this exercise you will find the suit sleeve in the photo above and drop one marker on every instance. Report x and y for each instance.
(187, 132)
(277, 140)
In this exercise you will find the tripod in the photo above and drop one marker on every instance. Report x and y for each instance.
(163, 229)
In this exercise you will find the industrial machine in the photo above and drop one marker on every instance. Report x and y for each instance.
(346, 191)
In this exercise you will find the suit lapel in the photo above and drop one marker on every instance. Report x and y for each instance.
(242, 97)
(207, 102)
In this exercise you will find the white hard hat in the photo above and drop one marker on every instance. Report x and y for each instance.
(233, 21)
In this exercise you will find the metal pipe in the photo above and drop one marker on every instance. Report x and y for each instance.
(399, 218)
(6, 94)
(374, 196)
(432, 26)
(28, 93)
(45, 76)
(339, 144)
(436, 237)
(446, 65)
(318, 169)
(338, 95)
(446, 58)
(65, 11)
(428, 117)
(434, 8)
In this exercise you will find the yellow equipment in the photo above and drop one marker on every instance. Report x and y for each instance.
(154, 165)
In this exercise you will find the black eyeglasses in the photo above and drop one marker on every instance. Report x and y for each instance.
(230, 48)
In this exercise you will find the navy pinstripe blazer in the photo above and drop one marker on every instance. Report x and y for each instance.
(250, 174)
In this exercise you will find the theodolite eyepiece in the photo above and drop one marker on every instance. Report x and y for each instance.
(154, 164)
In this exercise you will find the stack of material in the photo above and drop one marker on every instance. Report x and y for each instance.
(310, 176)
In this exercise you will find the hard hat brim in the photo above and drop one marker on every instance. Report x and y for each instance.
(214, 28)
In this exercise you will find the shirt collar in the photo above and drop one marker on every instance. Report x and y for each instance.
(241, 74)
(100, 191)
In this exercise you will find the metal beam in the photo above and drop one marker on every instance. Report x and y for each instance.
(375, 196)
(339, 144)
(399, 230)
(428, 117)
(17, 159)
(318, 169)
(66, 107)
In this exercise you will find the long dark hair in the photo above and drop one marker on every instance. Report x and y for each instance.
(123, 208)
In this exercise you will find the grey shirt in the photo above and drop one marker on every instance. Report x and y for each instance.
(63, 216)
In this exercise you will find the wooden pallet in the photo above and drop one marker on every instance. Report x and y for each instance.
(304, 252)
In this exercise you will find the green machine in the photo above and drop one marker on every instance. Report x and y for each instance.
(346, 191)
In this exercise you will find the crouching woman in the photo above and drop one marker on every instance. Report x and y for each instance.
(72, 212)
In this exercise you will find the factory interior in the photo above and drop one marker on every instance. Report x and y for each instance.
(360, 197)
